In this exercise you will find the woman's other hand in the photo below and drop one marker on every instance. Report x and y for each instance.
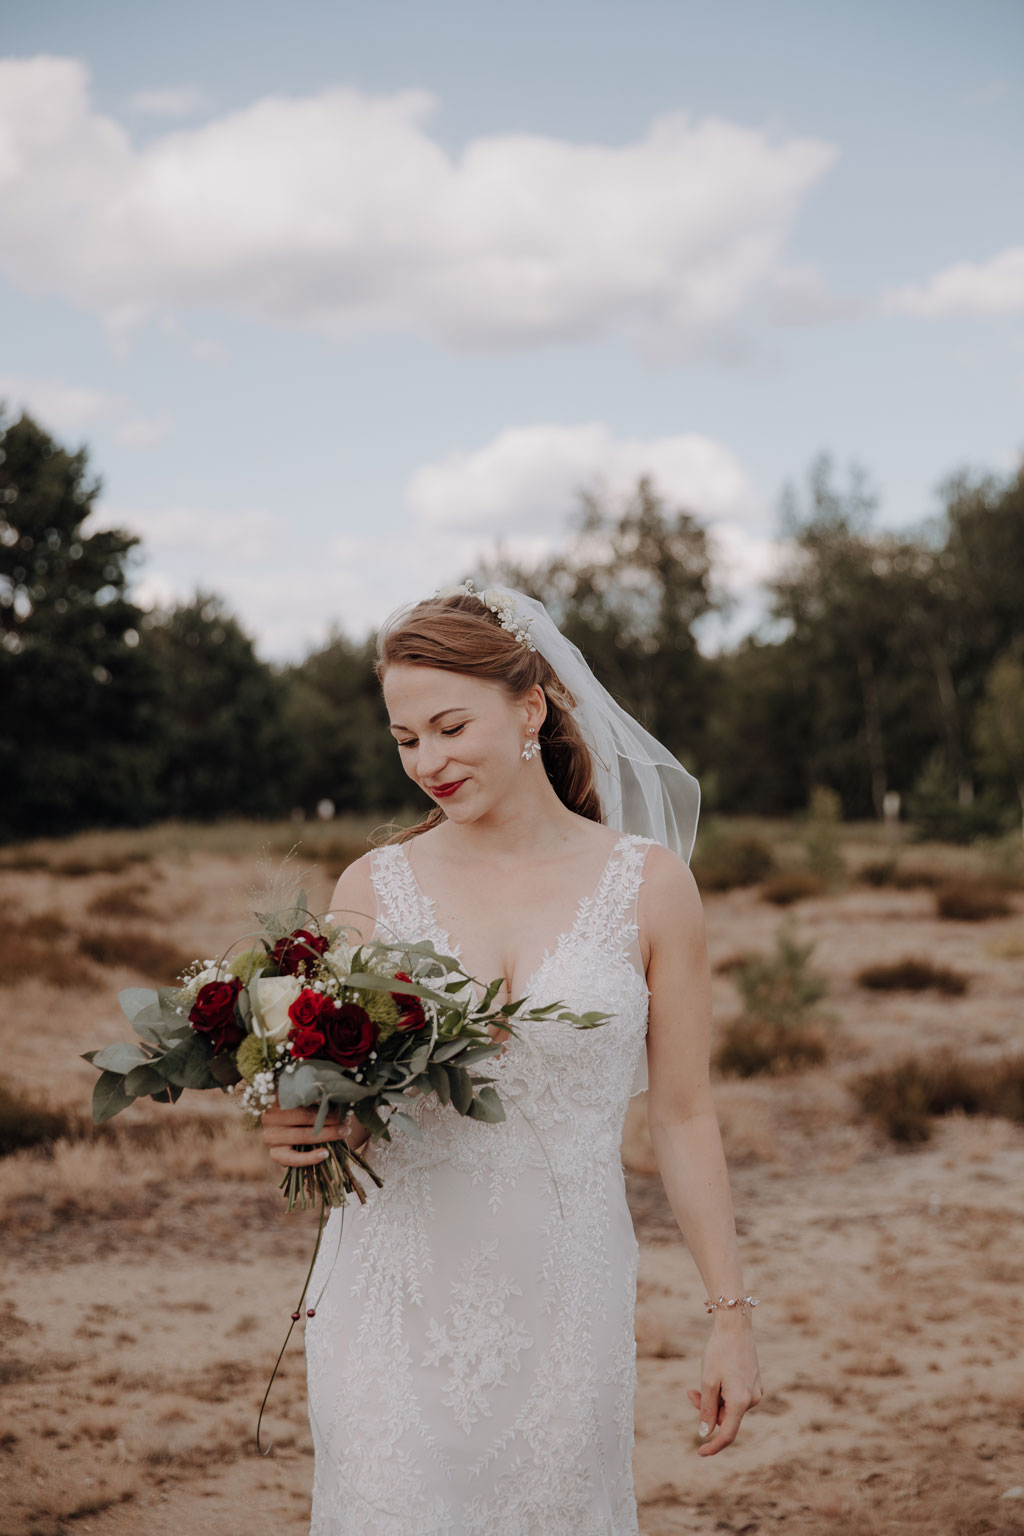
(730, 1384)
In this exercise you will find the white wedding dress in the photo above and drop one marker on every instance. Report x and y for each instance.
(472, 1360)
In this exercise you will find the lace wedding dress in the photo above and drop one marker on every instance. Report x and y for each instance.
(472, 1361)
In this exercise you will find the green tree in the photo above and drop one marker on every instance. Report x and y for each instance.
(77, 690)
(999, 723)
(343, 750)
(224, 748)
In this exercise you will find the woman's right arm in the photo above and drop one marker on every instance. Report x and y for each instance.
(285, 1131)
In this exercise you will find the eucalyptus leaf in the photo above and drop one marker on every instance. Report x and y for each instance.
(489, 1108)
(462, 1089)
(299, 1088)
(142, 1081)
(439, 1082)
(187, 1063)
(120, 1057)
(448, 1049)
(109, 1097)
(321, 1115)
(134, 1000)
(406, 1123)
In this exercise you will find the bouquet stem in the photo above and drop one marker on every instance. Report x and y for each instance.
(329, 1182)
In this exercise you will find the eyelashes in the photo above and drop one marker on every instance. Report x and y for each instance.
(452, 730)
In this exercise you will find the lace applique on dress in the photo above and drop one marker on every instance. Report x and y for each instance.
(472, 1363)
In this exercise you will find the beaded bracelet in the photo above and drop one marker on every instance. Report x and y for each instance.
(744, 1303)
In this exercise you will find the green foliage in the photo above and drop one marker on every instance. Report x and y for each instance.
(224, 745)
(938, 812)
(999, 722)
(77, 691)
(821, 836)
(777, 1030)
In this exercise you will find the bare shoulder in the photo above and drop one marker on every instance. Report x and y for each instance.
(354, 902)
(669, 904)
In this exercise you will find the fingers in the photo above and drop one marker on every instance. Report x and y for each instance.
(291, 1140)
(710, 1404)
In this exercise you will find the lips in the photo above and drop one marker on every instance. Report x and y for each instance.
(442, 791)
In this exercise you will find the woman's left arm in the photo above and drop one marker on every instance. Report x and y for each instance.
(686, 1138)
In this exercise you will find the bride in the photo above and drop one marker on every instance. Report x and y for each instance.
(472, 1358)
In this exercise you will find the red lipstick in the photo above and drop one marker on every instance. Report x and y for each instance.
(442, 791)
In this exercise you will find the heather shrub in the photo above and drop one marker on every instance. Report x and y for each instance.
(971, 901)
(792, 885)
(914, 973)
(777, 1030)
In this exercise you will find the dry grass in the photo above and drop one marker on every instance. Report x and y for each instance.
(792, 885)
(139, 950)
(903, 1099)
(725, 862)
(971, 901)
(41, 947)
(150, 1272)
(122, 901)
(914, 973)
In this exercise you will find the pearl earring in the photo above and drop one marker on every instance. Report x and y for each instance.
(532, 747)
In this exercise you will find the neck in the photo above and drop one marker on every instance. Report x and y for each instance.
(533, 816)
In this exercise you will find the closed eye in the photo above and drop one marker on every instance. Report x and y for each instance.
(453, 730)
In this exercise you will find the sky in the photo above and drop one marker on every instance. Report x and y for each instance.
(342, 298)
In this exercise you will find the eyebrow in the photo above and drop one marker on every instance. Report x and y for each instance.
(453, 709)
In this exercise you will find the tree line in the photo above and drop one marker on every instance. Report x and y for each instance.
(890, 662)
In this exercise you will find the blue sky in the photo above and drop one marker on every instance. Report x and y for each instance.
(340, 295)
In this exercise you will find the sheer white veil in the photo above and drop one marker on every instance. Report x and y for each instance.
(643, 788)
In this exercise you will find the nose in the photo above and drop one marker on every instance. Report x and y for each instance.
(430, 758)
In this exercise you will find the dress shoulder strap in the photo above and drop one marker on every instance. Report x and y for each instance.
(402, 912)
(611, 919)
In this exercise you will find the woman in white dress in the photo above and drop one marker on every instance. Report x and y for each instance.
(472, 1359)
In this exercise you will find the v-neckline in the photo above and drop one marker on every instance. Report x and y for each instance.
(454, 948)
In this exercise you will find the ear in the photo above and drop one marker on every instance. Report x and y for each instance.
(535, 707)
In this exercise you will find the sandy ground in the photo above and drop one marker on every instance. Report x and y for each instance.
(145, 1288)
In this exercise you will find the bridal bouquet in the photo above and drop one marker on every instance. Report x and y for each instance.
(304, 1017)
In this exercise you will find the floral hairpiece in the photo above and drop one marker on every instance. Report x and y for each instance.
(499, 604)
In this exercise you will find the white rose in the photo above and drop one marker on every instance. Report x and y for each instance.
(271, 997)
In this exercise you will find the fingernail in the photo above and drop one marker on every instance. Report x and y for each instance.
(704, 1429)
(323, 1154)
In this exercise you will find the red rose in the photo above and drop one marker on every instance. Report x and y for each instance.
(306, 1041)
(213, 1015)
(307, 1007)
(411, 1014)
(349, 1034)
(298, 950)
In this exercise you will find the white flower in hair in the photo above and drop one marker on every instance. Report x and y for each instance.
(499, 604)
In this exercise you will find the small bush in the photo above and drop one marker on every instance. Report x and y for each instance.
(726, 862)
(904, 1099)
(878, 872)
(971, 901)
(821, 836)
(137, 949)
(913, 974)
(776, 1031)
(792, 885)
(24, 1124)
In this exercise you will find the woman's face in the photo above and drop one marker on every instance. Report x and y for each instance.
(460, 738)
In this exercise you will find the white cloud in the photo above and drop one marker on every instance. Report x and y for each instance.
(61, 407)
(68, 408)
(528, 479)
(168, 101)
(967, 290)
(339, 212)
(289, 584)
